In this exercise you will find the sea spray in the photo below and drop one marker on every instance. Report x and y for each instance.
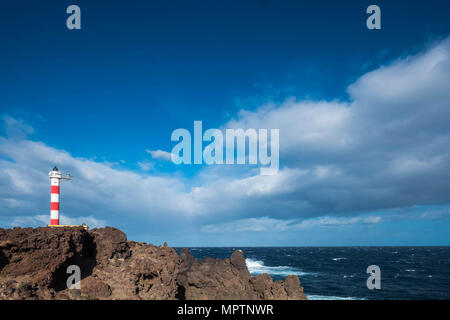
(256, 267)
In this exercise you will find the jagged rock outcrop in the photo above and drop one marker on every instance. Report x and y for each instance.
(34, 262)
(230, 279)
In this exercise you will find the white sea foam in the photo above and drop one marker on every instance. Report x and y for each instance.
(338, 259)
(257, 267)
(318, 297)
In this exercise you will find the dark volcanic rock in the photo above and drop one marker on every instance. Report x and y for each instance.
(33, 265)
(230, 279)
(110, 243)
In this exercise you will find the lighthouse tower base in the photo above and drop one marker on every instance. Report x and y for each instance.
(85, 227)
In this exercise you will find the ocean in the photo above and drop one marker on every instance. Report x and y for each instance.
(339, 273)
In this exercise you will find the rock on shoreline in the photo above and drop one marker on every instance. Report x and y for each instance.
(33, 264)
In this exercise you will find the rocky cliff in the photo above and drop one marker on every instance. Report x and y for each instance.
(34, 262)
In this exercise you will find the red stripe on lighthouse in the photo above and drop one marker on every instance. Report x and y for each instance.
(54, 189)
(54, 222)
(54, 205)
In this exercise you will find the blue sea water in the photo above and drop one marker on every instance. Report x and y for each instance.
(340, 272)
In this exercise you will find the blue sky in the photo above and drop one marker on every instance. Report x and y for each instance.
(363, 118)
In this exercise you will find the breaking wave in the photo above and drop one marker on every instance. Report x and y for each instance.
(338, 259)
(257, 267)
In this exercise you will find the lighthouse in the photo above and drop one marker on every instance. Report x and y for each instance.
(55, 179)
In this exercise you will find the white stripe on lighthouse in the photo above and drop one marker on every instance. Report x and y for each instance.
(54, 215)
(54, 197)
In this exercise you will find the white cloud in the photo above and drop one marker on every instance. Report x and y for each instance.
(269, 224)
(16, 128)
(159, 154)
(310, 125)
(42, 220)
(146, 165)
(249, 225)
(96, 188)
(387, 147)
(337, 221)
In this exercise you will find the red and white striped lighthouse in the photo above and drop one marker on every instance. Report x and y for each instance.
(55, 178)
